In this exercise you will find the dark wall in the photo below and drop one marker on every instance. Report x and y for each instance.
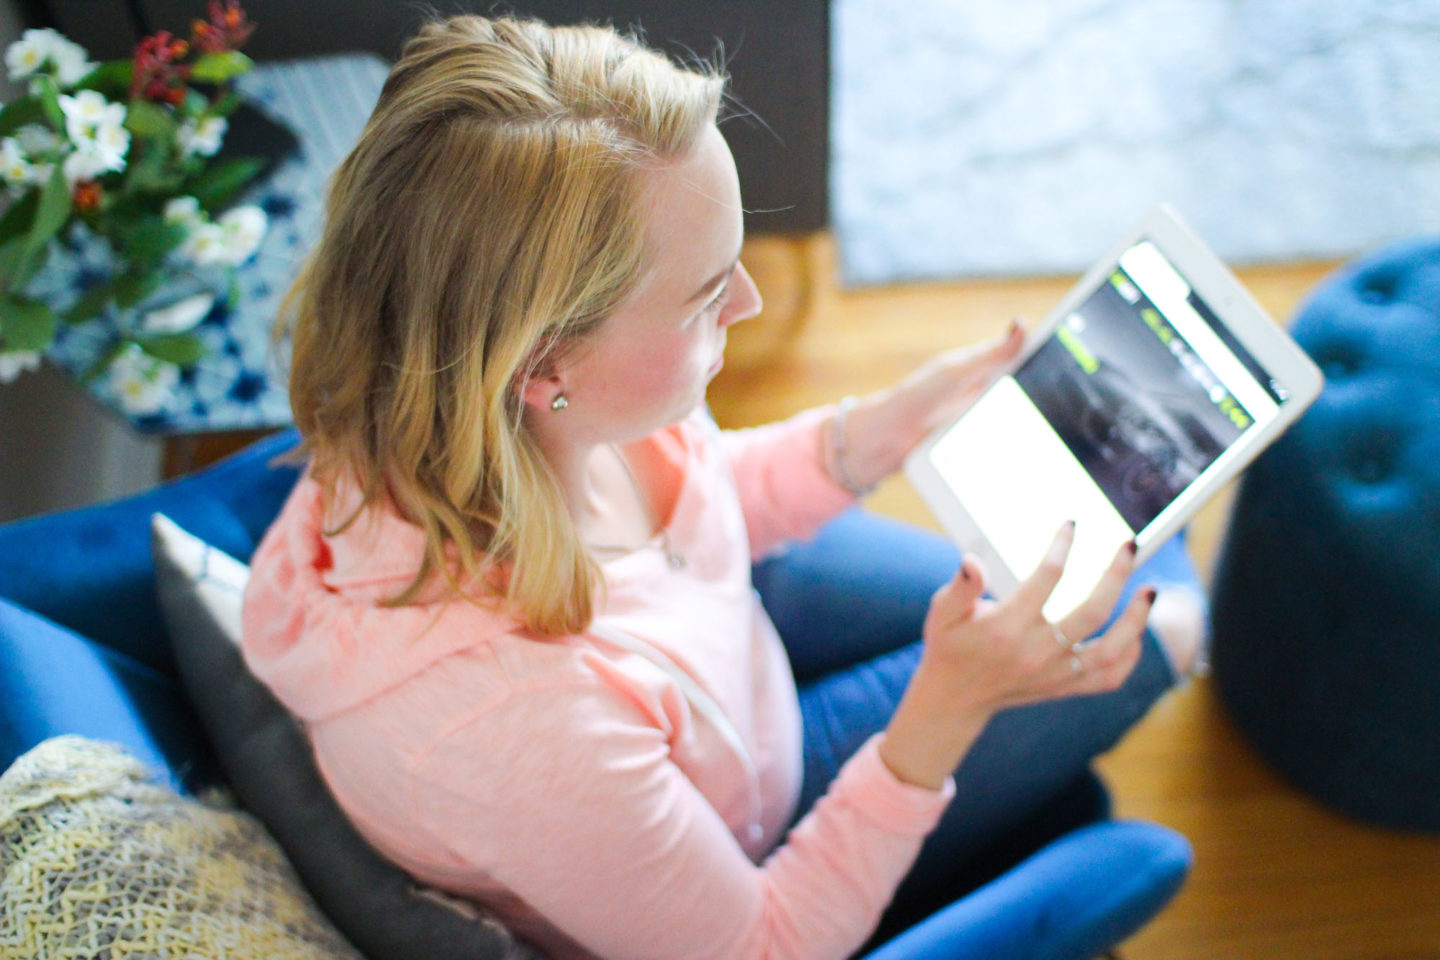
(777, 53)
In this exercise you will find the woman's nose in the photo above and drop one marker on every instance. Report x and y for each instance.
(745, 301)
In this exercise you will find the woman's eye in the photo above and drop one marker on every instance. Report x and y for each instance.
(715, 301)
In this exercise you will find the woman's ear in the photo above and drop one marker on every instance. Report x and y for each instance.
(539, 393)
(546, 377)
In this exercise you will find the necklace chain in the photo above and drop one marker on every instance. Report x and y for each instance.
(673, 558)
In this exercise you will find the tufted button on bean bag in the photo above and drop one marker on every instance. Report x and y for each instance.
(1326, 600)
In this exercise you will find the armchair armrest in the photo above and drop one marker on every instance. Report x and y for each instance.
(90, 569)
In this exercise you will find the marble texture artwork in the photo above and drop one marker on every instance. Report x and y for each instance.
(1021, 137)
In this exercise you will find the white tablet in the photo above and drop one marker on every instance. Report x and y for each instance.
(1155, 381)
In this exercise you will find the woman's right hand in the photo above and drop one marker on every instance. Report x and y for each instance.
(981, 657)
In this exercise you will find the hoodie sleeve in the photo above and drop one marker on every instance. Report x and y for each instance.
(785, 491)
(585, 818)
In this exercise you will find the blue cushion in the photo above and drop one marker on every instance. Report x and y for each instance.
(53, 682)
(91, 570)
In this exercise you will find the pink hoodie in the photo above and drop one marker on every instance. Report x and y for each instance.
(569, 783)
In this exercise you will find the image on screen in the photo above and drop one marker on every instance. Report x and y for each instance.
(1145, 387)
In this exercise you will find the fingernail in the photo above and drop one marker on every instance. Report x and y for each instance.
(1015, 326)
(964, 573)
(1068, 525)
(1150, 595)
(1132, 547)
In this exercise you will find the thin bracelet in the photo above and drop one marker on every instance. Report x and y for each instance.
(837, 450)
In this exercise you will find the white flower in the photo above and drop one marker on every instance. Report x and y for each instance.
(99, 148)
(230, 242)
(184, 210)
(180, 316)
(87, 112)
(244, 228)
(34, 138)
(15, 362)
(205, 244)
(72, 63)
(30, 52)
(89, 161)
(37, 49)
(113, 140)
(141, 383)
(202, 138)
(14, 168)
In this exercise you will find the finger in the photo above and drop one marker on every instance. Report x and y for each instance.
(1095, 609)
(955, 602)
(972, 580)
(978, 361)
(1108, 660)
(1032, 593)
(1016, 330)
(1113, 674)
(997, 350)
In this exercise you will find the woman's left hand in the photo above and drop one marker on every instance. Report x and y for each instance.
(885, 426)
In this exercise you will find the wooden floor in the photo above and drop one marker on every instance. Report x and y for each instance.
(1276, 875)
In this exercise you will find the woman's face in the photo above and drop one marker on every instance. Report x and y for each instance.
(649, 364)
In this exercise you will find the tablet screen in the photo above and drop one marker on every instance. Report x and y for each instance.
(1138, 390)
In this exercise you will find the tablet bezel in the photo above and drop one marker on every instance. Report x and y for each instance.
(1232, 305)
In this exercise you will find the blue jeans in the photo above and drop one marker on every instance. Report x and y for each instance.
(849, 607)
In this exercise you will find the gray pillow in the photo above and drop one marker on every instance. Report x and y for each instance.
(268, 764)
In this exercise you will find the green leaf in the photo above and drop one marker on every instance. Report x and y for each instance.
(91, 303)
(219, 67)
(18, 218)
(12, 258)
(111, 78)
(26, 324)
(181, 349)
(147, 119)
(218, 185)
(18, 113)
(134, 286)
(19, 263)
(226, 105)
(49, 96)
(152, 172)
(196, 104)
(52, 211)
(148, 241)
(102, 362)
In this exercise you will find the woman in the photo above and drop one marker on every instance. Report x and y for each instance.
(512, 597)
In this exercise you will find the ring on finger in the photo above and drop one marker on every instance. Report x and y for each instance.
(1076, 664)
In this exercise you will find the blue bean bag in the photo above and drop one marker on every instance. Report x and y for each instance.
(1326, 605)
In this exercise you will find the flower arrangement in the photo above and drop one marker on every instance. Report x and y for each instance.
(121, 157)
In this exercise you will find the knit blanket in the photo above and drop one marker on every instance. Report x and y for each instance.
(97, 860)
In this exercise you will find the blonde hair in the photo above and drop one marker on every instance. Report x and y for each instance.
(488, 219)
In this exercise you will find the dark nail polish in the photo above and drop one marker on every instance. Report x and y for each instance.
(1132, 547)
(965, 574)
(1150, 595)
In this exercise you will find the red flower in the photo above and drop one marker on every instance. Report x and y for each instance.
(226, 29)
(157, 75)
(87, 196)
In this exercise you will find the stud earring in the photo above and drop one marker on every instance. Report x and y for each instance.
(560, 402)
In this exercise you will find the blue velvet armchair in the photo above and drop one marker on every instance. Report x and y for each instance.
(83, 650)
